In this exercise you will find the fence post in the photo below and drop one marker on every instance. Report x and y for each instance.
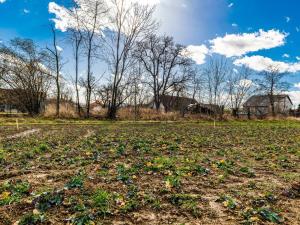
(17, 123)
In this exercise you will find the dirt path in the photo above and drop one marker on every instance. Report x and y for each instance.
(23, 134)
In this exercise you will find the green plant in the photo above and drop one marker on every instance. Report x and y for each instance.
(43, 147)
(142, 145)
(2, 155)
(121, 149)
(248, 172)
(201, 170)
(186, 202)
(32, 219)
(225, 165)
(172, 181)
(75, 182)
(13, 191)
(102, 200)
(125, 173)
(48, 200)
(269, 215)
(84, 218)
(160, 163)
(153, 201)
(228, 202)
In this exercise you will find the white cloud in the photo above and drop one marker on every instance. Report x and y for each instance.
(260, 63)
(298, 58)
(2, 1)
(297, 85)
(234, 25)
(287, 19)
(297, 29)
(26, 11)
(59, 48)
(231, 5)
(64, 20)
(240, 44)
(196, 53)
(295, 97)
(286, 55)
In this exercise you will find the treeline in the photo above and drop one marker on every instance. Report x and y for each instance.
(141, 64)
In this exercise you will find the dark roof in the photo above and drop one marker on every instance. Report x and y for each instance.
(264, 100)
(175, 102)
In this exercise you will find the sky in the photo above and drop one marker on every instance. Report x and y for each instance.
(255, 33)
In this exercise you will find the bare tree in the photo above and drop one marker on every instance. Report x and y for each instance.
(128, 23)
(103, 94)
(98, 10)
(271, 83)
(57, 58)
(217, 72)
(196, 84)
(24, 70)
(89, 85)
(90, 17)
(163, 62)
(239, 87)
(76, 36)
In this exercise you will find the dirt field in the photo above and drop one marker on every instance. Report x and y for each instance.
(150, 173)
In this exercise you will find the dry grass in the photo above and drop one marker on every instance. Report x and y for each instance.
(66, 111)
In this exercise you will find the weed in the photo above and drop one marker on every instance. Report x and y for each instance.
(13, 191)
(228, 202)
(2, 155)
(172, 182)
(48, 200)
(76, 182)
(153, 201)
(142, 146)
(268, 215)
(121, 149)
(186, 202)
(32, 219)
(84, 218)
(102, 200)
(248, 172)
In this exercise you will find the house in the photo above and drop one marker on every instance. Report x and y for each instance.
(207, 109)
(170, 103)
(11, 101)
(260, 105)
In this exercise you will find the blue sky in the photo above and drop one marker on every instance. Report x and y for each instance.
(191, 22)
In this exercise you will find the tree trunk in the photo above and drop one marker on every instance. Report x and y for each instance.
(76, 80)
(88, 88)
(58, 97)
(112, 112)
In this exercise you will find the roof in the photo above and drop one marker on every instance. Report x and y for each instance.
(264, 100)
(175, 102)
(13, 96)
